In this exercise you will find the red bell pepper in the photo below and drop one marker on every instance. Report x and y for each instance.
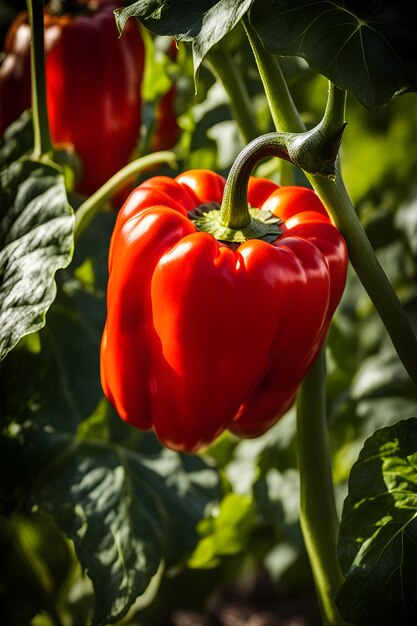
(203, 335)
(93, 85)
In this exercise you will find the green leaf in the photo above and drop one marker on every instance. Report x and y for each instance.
(25, 452)
(181, 18)
(17, 139)
(36, 239)
(52, 377)
(36, 562)
(204, 23)
(226, 532)
(59, 385)
(368, 48)
(114, 520)
(125, 512)
(377, 547)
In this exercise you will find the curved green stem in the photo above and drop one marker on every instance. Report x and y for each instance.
(95, 203)
(234, 212)
(318, 515)
(240, 103)
(42, 139)
(334, 115)
(338, 204)
(314, 151)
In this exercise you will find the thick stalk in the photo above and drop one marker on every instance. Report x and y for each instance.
(318, 515)
(240, 103)
(42, 139)
(338, 204)
(97, 201)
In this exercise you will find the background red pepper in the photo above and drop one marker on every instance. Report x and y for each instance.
(166, 132)
(201, 337)
(93, 85)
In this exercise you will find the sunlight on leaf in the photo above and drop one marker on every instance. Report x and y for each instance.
(36, 237)
(377, 546)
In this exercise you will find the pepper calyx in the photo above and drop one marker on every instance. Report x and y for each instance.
(263, 225)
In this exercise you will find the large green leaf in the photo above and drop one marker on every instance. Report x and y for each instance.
(378, 535)
(36, 239)
(368, 47)
(113, 518)
(17, 139)
(53, 377)
(204, 23)
(127, 513)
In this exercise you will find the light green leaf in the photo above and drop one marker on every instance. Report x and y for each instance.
(225, 531)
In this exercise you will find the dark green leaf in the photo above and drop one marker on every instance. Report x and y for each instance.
(36, 238)
(181, 18)
(17, 139)
(56, 383)
(125, 512)
(368, 47)
(24, 455)
(185, 485)
(115, 521)
(378, 535)
(53, 377)
(204, 23)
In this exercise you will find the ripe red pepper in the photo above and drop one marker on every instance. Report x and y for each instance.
(203, 335)
(93, 85)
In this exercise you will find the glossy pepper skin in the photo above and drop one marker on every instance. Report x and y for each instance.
(201, 337)
(93, 86)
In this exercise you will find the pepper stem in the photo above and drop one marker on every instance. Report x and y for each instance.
(234, 211)
(314, 151)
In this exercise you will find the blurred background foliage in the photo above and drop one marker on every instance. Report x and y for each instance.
(249, 528)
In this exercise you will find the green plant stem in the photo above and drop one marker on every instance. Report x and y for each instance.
(241, 106)
(283, 110)
(97, 201)
(318, 515)
(338, 204)
(334, 114)
(42, 139)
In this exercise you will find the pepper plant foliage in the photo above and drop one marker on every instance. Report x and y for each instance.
(133, 512)
(377, 547)
(35, 243)
(368, 48)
